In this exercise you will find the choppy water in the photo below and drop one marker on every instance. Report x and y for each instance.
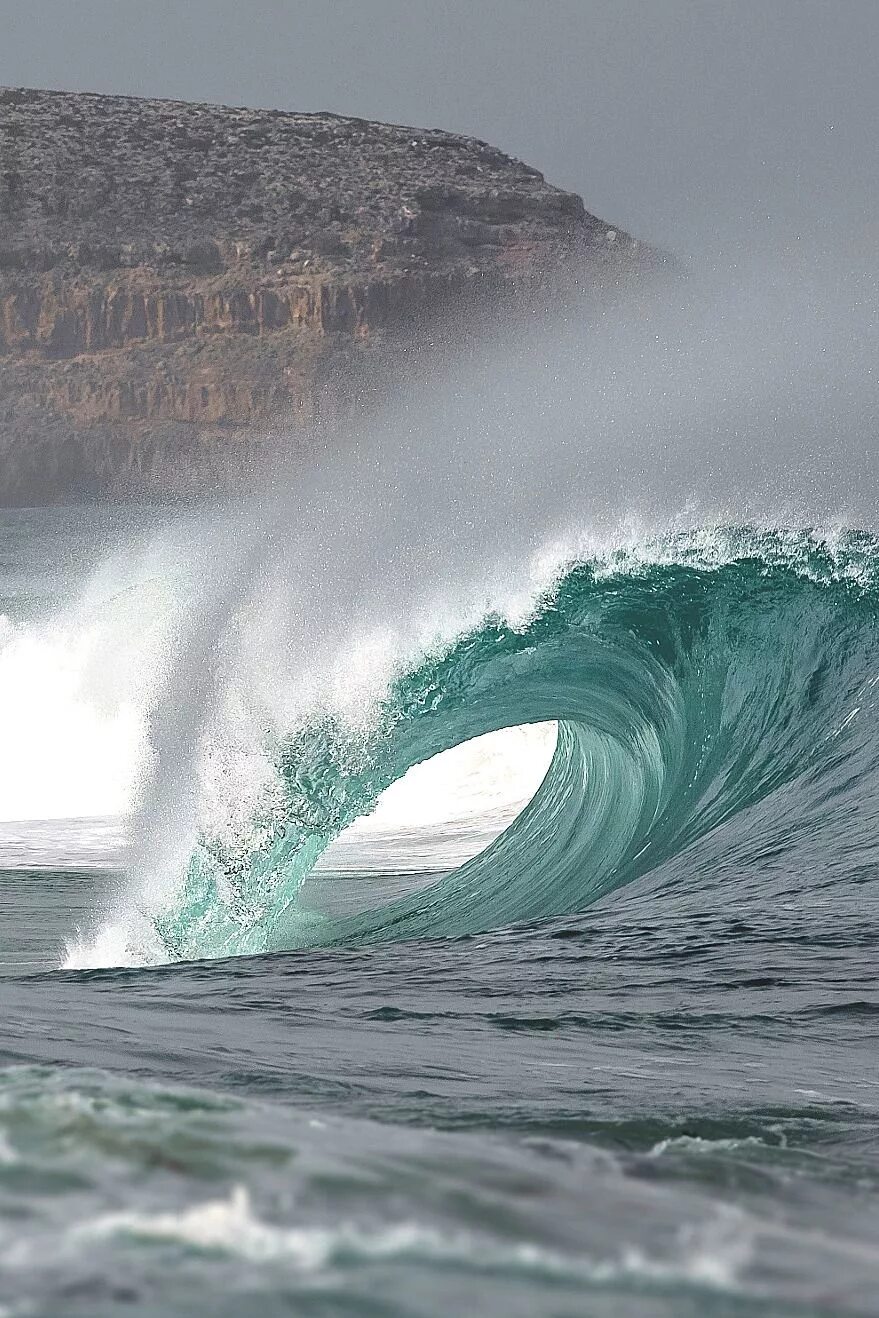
(623, 1061)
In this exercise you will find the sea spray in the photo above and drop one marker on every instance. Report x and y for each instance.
(598, 442)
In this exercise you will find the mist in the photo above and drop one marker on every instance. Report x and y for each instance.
(686, 408)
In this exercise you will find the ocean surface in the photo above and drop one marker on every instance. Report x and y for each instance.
(531, 970)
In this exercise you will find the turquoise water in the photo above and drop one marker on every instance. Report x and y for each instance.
(690, 680)
(622, 1060)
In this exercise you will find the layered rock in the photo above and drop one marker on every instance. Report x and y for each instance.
(174, 278)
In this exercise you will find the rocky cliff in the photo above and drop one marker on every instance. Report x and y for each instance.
(175, 278)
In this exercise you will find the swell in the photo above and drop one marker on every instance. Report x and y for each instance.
(691, 678)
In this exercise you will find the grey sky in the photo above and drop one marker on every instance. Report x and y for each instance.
(697, 124)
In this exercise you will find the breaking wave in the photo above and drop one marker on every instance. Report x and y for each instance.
(689, 678)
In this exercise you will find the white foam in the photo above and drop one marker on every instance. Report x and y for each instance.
(696, 1144)
(72, 733)
(76, 686)
(129, 943)
(230, 1226)
(711, 1255)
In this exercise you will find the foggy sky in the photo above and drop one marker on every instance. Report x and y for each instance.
(710, 127)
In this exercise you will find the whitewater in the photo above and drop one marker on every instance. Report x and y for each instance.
(444, 879)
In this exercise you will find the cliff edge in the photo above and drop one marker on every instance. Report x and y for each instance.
(175, 278)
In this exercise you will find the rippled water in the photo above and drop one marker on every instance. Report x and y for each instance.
(656, 1094)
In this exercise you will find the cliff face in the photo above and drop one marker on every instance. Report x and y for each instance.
(175, 277)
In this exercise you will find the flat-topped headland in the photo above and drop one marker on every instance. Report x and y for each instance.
(174, 278)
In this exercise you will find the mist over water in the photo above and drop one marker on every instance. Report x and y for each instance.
(744, 398)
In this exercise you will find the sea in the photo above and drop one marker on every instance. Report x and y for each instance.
(411, 905)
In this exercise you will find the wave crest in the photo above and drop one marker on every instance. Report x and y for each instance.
(689, 680)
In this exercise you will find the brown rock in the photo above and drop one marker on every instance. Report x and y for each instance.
(175, 277)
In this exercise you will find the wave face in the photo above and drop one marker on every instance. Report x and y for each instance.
(690, 678)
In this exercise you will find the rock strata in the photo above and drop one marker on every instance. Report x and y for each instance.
(174, 278)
